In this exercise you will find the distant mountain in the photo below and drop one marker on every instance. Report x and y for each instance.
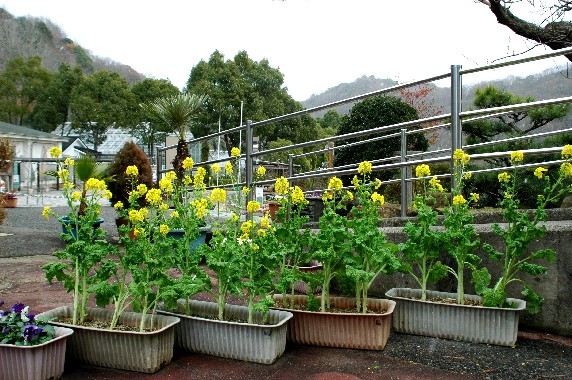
(32, 36)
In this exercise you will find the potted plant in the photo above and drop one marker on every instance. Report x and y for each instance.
(341, 249)
(30, 348)
(90, 265)
(8, 200)
(454, 315)
(242, 256)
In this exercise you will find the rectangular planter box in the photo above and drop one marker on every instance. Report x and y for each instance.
(344, 330)
(451, 321)
(44, 361)
(133, 351)
(202, 332)
(301, 286)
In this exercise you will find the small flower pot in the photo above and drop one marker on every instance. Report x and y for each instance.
(10, 202)
(44, 361)
(179, 233)
(65, 222)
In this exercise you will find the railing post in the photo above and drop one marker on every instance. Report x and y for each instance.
(456, 130)
(404, 174)
(158, 163)
(249, 163)
(290, 165)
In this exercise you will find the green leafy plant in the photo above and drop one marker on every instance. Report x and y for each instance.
(292, 238)
(520, 230)
(331, 244)
(21, 328)
(460, 238)
(371, 254)
(424, 243)
(86, 246)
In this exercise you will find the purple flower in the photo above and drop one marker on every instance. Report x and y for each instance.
(30, 331)
(6, 331)
(17, 308)
(31, 316)
(1, 303)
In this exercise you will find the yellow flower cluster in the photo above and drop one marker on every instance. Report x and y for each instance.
(228, 169)
(142, 188)
(364, 167)
(504, 177)
(218, 195)
(69, 162)
(566, 169)
(298, 196)
(199, 180)
(175, 214)
(460, 156)
(164, 229)
(475, 197)
(355, 181)
(118, 206)
(132, 171)
(55, 152)
(436, 184)
(188, 163)
(235, 152)
(252, 206)
(95, 184)
(350, 195)
(166, 185)
(246, 227)
(567, 151)
(216, 168)
(46, 212)
(378, 198)
(539, 172)
(64, 175)
(281, 186)
(154, 197)
(459, 200)
(516, 157)
(335, 184)
(76, 196)
(422, 171)
(260, 171)
(171, 175)
(201, 205)
(136, 216)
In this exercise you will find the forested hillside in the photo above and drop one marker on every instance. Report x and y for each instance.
(31, 36)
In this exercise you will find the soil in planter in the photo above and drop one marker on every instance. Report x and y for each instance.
(302, 307)
(104, 325)
(449, 300)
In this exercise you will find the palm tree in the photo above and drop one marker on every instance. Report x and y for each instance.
(86, 167)
(177, 113)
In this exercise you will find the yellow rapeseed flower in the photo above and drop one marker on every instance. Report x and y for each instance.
(234, 217)
(69, 162)
(218, 195)
(516, 157)
(355, 180)
(245, 190)
(539, 172)
(64, 175)
(216, 168)
(143, 211)
(261, 232)
(567, 151)
(175, 214)
(475, 197)
(281, 186)
(260, 171)
(166, 185)
(460, 155)
(187, 180)
(264, 221)
(95, 184)
(46, 212)
(298, 196)
(154, 197)
(76, 196)
(378, 198)
(504, 177)
(566, 169)
(246, 227)
(335, 184)
(164, 229)
(235, 152)
(163, 207)
(228, 169)
(142, 188)
(422, 171)
(199, 180)
(364, 167)
(252, 206)
(136, 216)
(436, 184)
(188, 163)
(132, 171)
(107, 194)
(459, 199)
(118, 205)
(55, 152)
(350, 195)
(171, 175)
(138, 231)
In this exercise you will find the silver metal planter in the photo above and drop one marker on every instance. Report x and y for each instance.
(344, 330)
(202, 332)
(44, 361)
(451, 321)
(133, 351)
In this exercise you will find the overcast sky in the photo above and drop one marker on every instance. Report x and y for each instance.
(316, 44)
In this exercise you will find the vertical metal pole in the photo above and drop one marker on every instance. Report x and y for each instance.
(456, 132)
(249, 163)
(290, 165)
(158, 161)
(331, 155)
(404, 185)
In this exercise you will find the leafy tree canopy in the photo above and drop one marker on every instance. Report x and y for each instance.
(371, 113)
(100, 101)
(21, 83)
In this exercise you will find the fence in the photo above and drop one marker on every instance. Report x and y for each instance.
(405, 160)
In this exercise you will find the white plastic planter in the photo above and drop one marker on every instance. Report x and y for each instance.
(451, 321)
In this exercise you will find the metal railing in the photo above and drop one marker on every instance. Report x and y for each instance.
(404, 160)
